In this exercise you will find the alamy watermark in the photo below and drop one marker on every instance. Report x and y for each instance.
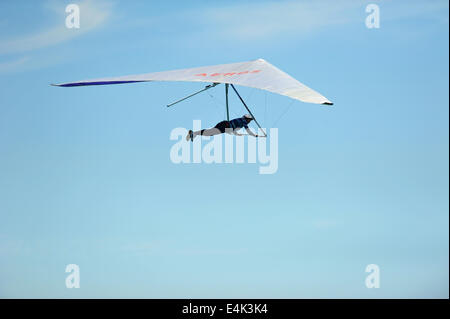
(73, 279)
(373, 19)
(73, 17)
(226, 148)
(373, 279)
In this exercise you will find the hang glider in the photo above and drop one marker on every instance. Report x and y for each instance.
(258, 74)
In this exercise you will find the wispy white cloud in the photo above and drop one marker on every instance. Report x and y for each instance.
(435, 10)
(268, 21)
(276, 18)
(13, 64)
(93, 14)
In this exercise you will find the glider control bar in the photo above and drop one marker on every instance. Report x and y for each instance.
(206, 88)
(226, 101)
(265, 135)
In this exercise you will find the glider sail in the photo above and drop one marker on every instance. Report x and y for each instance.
(258, 74)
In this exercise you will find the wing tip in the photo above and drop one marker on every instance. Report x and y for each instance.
(327, 103)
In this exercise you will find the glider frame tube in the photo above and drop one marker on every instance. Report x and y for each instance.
(185, 98)
(226, 101)
(245, 105)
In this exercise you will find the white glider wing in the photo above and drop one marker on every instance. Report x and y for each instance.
(258, 74)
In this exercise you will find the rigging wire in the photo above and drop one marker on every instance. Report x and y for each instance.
(284, 113)
(222, 105)
(234, 113)
(265, 107)
(218, 106)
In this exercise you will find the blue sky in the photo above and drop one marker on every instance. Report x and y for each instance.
(85, 174)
